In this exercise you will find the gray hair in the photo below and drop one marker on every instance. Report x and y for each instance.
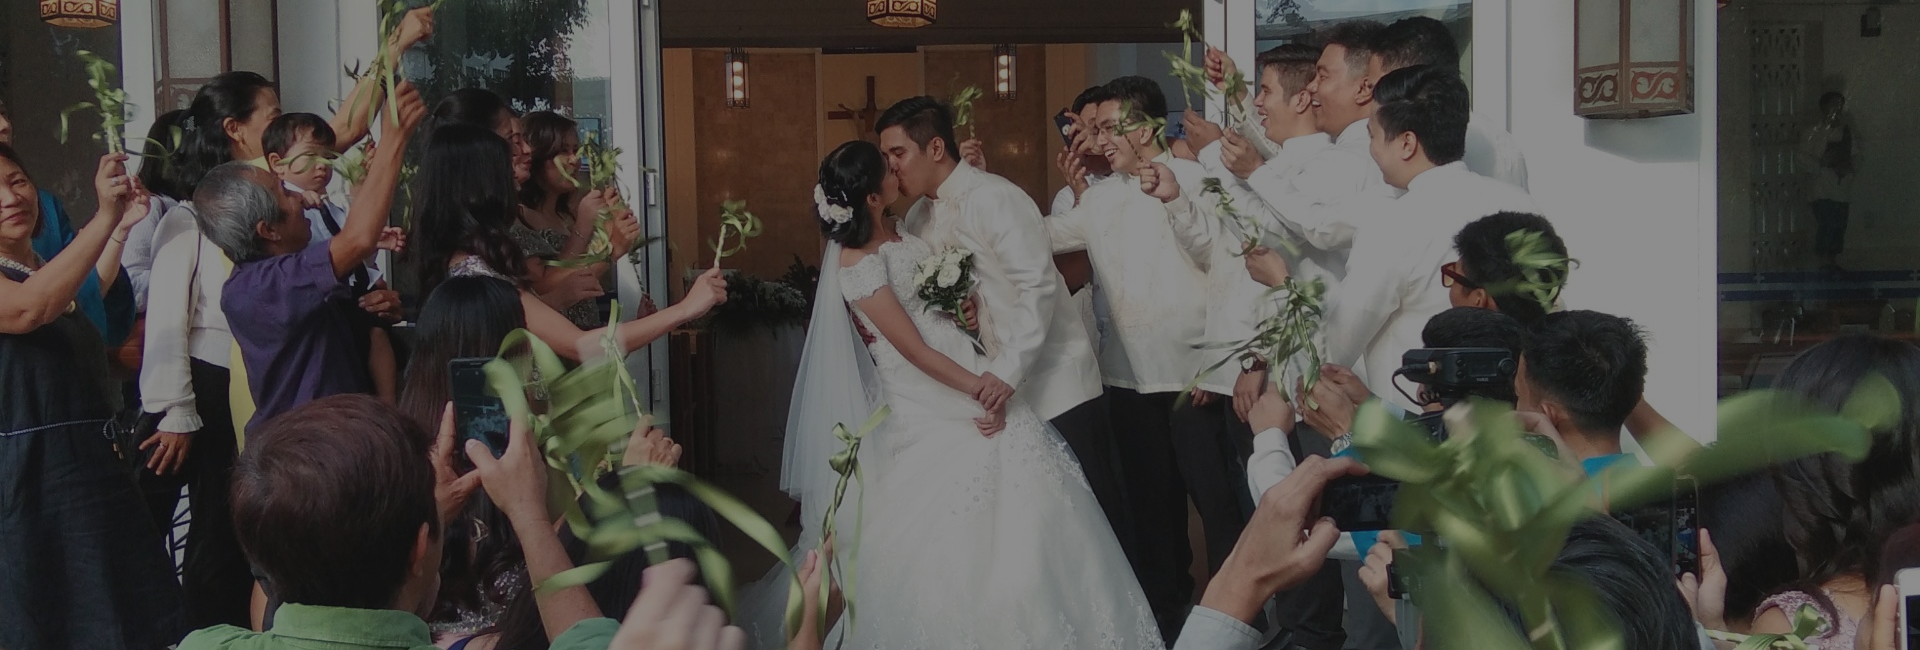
(230, 204)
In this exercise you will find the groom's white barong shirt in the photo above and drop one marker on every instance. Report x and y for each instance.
(1042, 346)
(1155, 291)
(1393, 283)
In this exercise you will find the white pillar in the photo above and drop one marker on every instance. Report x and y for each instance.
(139, 72)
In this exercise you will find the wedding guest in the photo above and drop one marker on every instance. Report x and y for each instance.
(1839, 513)
(85, 568)
(1585, 372)
(298, 147)
(464, 212)
(185, 370)
(299, 325)
(555, 200)
(1155, 297)
(1082, 164)
(1393, 286)
(1744, 520)
(1421, 40)
(138, 258)
(1488, 276)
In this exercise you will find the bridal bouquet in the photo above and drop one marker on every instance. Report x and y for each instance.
(946, 280)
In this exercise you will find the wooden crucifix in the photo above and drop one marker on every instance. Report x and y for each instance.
(863, 118)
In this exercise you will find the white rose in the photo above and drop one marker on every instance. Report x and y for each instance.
(949, 275)
(924, 273)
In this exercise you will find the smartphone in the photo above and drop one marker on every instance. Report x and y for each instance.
(477, 414)
(1908, 580)
(1360, 503)
(1176, 127)
(1064, 124)
(1686, 526)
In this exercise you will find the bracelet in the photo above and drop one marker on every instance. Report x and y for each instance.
(116, 240)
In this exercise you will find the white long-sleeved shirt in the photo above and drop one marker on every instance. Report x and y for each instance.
(184, 320)
(1092, 305)
(137, 258)
(1048, 360)
(1325, 201)
(1155, 292)
(1393, 283)
(1235, 302)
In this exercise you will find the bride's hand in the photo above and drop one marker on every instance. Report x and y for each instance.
(992, 423)
(991, 392)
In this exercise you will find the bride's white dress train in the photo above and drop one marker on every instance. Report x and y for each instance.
(975, 542)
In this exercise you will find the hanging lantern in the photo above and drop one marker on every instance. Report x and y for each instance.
(83, 14)
(737, 78)
(1006, 76)
(903, 13)
(1633, 58)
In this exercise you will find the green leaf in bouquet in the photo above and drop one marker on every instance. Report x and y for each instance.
(735, 222)
(109, 102)
(963, 108)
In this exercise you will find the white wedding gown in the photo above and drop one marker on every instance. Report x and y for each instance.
(976, 542)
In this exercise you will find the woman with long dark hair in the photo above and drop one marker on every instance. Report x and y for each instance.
(85, 569)
(463, 219)
(1839, 514)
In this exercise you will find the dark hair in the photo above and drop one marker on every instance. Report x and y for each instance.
(1633, 582)
(1830, 98)
(545, 131)
(1296, 64)
(466, 204)
(40, 220)
(1355, 36)
(463, 317)
(1466, 327)
(1418, 40)
(1433, 103)
(476, 106)
(329, 498)
(848, 176)
(1145, 95)
(204, 143)
(284, 131)
(923, 118)
(1487, 261)
(1092, 96)
(1744, 517)
(1838, 513)
(1594, 364)
(154, 161)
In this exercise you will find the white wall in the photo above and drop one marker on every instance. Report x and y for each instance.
(1634, 199)
(319, 39)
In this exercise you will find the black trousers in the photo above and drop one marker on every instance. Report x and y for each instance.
(215, 576)
(1088, 430)
(1167, 456)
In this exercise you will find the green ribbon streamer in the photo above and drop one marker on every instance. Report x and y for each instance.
(109, 102)
(846, 463)
(735, 220)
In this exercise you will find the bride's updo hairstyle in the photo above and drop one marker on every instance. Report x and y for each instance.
(847, 177)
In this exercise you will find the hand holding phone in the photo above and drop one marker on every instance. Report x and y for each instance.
(1908, 629)
(478, 414)
(1360, 503)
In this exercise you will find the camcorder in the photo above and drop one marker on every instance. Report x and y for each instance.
(1448, 375)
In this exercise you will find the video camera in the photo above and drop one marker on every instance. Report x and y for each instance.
(1451, 374)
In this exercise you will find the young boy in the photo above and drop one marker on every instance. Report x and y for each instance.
(299, 148)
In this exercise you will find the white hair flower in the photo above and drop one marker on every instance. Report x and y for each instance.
(828, 211)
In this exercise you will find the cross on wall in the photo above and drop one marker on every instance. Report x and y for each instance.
(863, 118)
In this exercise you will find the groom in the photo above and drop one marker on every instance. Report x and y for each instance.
(1043, 347)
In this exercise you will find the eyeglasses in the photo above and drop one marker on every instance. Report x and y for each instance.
(1450, 275)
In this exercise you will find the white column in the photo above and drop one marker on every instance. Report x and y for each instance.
(139, 72)
(637, 113)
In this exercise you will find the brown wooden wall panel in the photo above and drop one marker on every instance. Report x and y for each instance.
(1015, 132)
(764, 155)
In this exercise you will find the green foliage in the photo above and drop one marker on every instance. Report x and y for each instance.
(753, 302)
(1543, 273)
(109, 102)
(738, 223)
(603, 171)
(963, 108)
(1281, 337)
(1501, 510)
(1133, 119)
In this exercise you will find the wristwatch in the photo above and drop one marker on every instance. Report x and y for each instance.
(1342, 443)
(1251, 364)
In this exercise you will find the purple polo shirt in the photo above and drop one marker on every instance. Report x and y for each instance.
(298, 329)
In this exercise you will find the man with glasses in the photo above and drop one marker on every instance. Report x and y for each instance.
(1488, 274)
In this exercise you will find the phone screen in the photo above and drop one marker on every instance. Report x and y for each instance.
(477, 414)
(1065, 125)
(1686, 526)
(1360, 503)
(1907, 609)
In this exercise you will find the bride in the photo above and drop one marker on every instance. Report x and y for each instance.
(978, 529)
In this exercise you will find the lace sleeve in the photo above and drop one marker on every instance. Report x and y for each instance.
(865, 278)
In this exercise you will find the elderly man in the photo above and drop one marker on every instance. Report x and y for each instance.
(299, 326)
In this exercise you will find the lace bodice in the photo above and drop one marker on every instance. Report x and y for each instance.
(893, 269)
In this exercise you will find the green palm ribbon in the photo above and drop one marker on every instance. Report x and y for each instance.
(847, 465)
(1806, 625)
(603, 171)
(737, 222)
(1501, 510)
(963, 108)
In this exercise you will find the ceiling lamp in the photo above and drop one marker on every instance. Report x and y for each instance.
(903, 13)
(80, 13)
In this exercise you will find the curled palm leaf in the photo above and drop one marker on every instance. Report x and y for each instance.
(109, 102)
(738, 223)
(847, 465)
(963, 108)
